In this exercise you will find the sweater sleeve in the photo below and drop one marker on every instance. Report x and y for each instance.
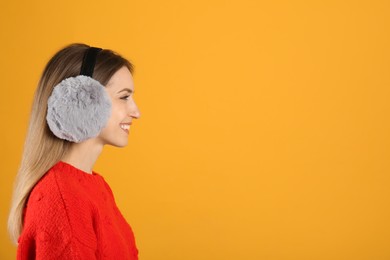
(48, 233)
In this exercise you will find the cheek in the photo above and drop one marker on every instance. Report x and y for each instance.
(119, 110)
(117, 115)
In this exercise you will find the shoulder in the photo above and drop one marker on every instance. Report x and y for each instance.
(61, 195)
(45, 215)
(55, 190)
(58, 208)
(45, 198)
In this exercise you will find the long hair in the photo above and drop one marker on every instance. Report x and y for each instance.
(42, 149)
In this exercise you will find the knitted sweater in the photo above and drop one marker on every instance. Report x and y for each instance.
(71, 214)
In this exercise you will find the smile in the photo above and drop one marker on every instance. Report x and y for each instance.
(125, 127)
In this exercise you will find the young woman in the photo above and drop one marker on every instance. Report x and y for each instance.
(61, 208)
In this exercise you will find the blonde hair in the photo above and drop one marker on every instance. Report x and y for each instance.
(41, 148)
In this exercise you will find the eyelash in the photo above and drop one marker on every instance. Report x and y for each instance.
(125, 97)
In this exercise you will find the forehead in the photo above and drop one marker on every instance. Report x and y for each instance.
(121, 79)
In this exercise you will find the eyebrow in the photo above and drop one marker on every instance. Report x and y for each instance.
(126, 89)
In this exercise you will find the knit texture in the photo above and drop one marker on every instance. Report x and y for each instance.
(71, 214)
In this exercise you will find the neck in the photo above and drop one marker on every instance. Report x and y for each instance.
(83, 155)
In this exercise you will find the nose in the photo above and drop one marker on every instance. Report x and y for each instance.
(134, 111)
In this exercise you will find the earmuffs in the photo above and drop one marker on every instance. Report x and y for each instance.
(79, 107)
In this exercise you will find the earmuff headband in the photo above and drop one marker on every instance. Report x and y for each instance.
(89, 61)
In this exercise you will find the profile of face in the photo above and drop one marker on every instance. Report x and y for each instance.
(121, 90)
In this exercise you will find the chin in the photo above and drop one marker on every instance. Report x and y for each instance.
(115, 142)
(118, 144)
(116, 139)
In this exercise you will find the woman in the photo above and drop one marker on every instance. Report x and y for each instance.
(61, 208)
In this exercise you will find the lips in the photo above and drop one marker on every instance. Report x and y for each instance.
(125, 126)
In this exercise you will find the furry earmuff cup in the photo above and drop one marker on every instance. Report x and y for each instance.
(78, 109)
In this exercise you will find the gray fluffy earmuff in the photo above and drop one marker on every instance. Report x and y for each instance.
(78, 108)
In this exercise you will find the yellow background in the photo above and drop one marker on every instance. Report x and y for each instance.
(264, 129)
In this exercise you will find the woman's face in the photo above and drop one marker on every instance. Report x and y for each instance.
(121, 89)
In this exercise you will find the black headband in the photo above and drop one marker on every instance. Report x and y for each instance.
(89, 61)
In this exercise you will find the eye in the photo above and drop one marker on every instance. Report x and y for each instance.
(125, 97)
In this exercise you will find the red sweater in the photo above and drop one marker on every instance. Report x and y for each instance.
(71, 214)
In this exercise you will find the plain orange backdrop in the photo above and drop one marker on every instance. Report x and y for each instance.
(264, 129)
